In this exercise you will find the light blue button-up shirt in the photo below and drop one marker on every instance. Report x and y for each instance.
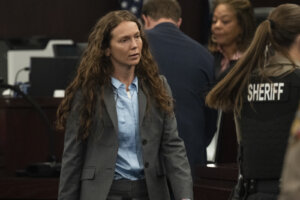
(129, 160)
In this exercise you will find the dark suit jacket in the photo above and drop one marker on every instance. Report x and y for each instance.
(88, 167)
(188, 67)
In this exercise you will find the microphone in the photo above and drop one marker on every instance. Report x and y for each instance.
(23, 86)
(44, 169)
(19, 71)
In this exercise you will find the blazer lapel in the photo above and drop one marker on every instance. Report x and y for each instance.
(110, 103)
(142, 105)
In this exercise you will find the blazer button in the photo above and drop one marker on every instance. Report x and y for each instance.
(144, 142)
(146, 165)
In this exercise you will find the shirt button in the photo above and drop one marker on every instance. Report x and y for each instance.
(146, 164)
(144, 142)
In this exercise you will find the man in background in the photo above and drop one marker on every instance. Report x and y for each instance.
(188, 67)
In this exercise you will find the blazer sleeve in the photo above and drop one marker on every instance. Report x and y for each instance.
(175, 158)
(72, 158)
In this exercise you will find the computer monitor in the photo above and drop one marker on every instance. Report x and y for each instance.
(65, 50)
(48, 74)
(18, 59)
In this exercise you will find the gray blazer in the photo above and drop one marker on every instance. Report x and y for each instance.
(88, 166)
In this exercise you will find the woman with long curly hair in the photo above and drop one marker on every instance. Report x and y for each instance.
(263, 91)
(121, 139)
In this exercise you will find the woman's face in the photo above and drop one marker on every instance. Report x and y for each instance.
(125, 45)
(225, 28)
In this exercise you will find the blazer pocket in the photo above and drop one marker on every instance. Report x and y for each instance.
(88, 173)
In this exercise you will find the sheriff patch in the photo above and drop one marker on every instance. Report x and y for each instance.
(266, 91)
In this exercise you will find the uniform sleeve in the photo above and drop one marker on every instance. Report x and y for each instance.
(175, 159)
(72, 158)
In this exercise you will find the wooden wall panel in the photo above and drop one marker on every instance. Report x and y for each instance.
(52, 18)
(24, 136)
(195, 19)
(75, 18)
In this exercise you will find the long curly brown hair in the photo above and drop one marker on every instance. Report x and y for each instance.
(95, 71)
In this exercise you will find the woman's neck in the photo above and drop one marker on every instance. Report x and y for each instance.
(229, 50)
(124, 75)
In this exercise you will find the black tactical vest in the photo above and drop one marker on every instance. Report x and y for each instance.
(266, 118)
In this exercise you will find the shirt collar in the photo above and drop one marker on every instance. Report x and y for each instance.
(116, 83)
(278, 58)
(236, 56)
(225, 62)
(166, 24)
(279, 65)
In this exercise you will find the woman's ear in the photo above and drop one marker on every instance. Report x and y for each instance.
(295, 49)
(107, 52)
(298, 42)
(298, 46)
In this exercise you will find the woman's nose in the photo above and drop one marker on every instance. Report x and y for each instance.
(133, 43)
(217, 23)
